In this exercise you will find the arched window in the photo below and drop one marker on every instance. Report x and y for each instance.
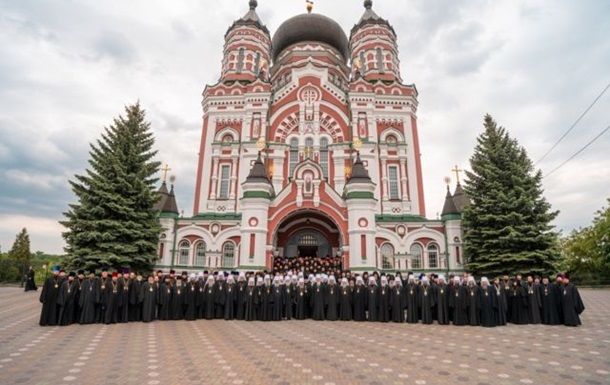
(387, 256)
(294, 154)
(228, 254)
(391, 140)
(227, 139)
(200, 254)
(432, 256)
(324, 157)
(416, 252)
(184, 249)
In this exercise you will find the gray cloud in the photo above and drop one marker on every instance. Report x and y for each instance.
(68, 68)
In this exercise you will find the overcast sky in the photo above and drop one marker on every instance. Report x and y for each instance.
(68, 67)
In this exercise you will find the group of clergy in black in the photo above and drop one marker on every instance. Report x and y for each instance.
(307, 265)
(127, 297)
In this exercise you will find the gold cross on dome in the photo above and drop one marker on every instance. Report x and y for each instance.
(165, 169)
(457, 172)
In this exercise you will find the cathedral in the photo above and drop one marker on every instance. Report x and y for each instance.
(310, 148)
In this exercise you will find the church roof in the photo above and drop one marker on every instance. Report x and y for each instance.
(449, 206)
(310, 27)
(258, 173)
(460, 199)
(359, 172)
(170, 206)
(250, 18)
(370, 17)
(163, 194)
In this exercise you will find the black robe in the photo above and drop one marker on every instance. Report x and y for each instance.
(558, 295)
(550, 313)
(288, 301)
(372, 303)
(501, 300)
(489, 306)
(219, 299)
(30, 281)
(398, 301)
(411, 292)
(517, 300)
(240, 300)
(190, 301)
(425, 302)
(265, 303)
(441, 297)
(89, 297)
(301, 302)
(317, 302)
(209, 296)
(474, 305)
(384, 304)
(135, 307)
(345, 303)
(124, 300)
(148, 299)
(572, 305)
(164, 301)
(48, 297)
(534, 302)
(277, 294)
(104, 288)
(111, 302)
(250, 303)
(332, 302)
(230, 300)
(458, 303)
(65, 300)
(178, 301)
(359, 296)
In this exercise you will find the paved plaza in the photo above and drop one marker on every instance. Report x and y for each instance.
(300, 352)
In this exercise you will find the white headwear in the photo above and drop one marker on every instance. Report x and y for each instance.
(301, 280)
(210, 279)
(442, 277)
(384, 279)
(200, 274)
(456, 280)
(344, 282)
(332, 279)
(411, 278)
(398, 282)
(425, 280)
(471, 280)
(372, 280)
(359, 279)
(251, 281)
(230, 278)
(484, 280)
(192, 276)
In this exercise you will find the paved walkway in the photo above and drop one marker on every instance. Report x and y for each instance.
(299, 352)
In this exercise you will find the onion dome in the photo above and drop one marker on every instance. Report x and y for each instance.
(310, 27)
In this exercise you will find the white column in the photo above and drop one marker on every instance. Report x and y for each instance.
(384, 178)
(214, 177)
(403, 179)
(233, 177)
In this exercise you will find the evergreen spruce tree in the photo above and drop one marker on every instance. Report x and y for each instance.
(20, 252)
(507, 225)
(114, 223)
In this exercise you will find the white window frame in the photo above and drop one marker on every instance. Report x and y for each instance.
(436, 252)
(199, 260)
(225, 259)
(226, 180)
(393, 184)
(184, 252)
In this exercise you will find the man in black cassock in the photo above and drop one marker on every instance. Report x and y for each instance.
(30, 280)
(241, 297)
(384, 300)
(148, 299)
(332, 299)
(105, 288)
(164, 299)
(65, 300)
(372, 300)
(506, 291)
(425, 300)
(277, 294)
(209, 297)
(345, 301)
(89, 297)
(441, 298)
(190, 298)
(517, 300)
(474, 302)
(359, 297)
(250, 300)
(289, 286)
(500, 315)
(398, 300)
(571, 303)
(412, 295)
(112, 300)
(178, 299)
(135, 307)
(458, 303)
(48, 297)
(301, 300)
(265, 299)
(489, 303)
(317, 299)
(534, 301)
(558, 286)
(220, 297)
(550, 315)
(124, 300)
(230, 298)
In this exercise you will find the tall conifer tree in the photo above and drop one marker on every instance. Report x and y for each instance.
(114, 223)
(507, 226)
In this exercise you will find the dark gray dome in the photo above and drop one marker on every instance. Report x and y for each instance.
(310, 27)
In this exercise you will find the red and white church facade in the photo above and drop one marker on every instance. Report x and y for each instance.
(310, 146)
